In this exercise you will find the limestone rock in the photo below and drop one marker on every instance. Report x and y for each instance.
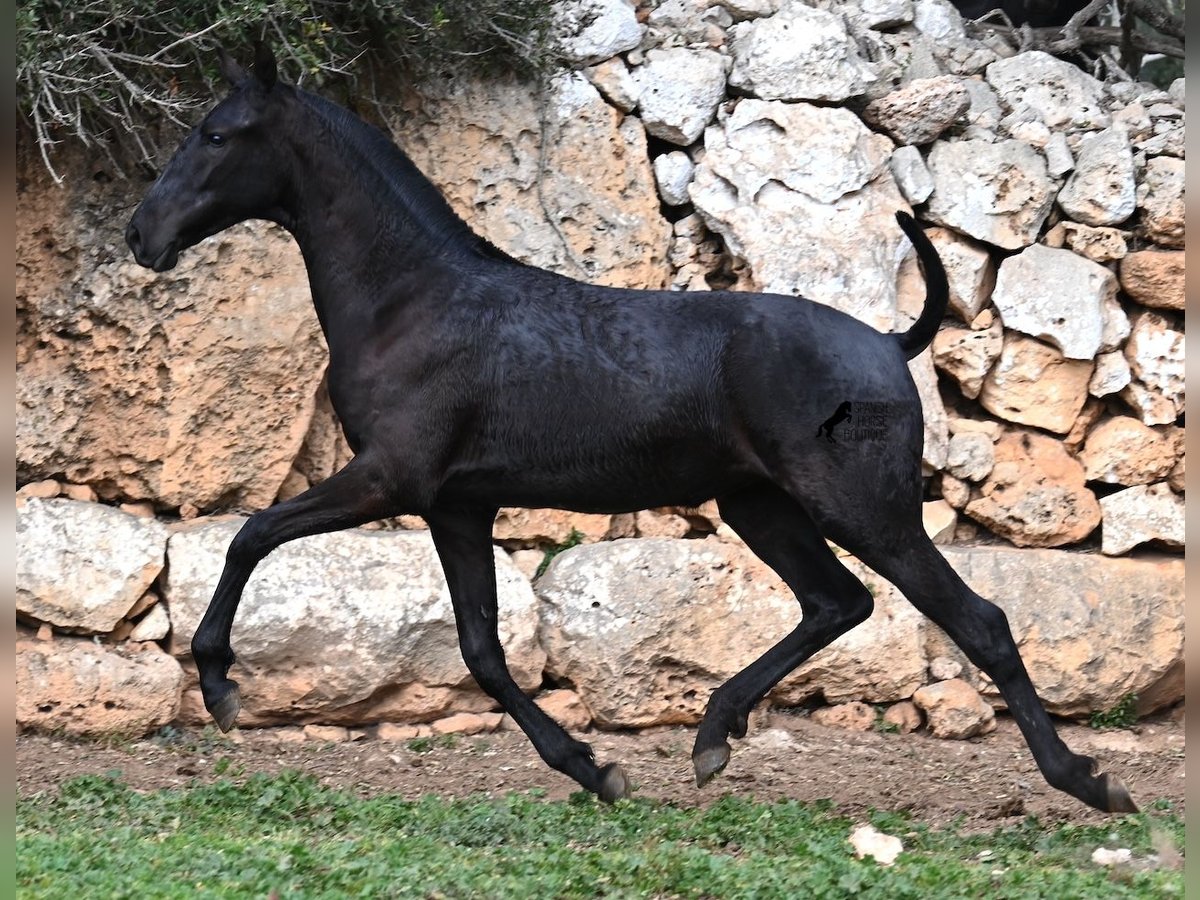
(1154, 278)
(79, 687)
(1160, 198)
(645, 629)
(1112, 374)
(940, 521)
(933, 410)
(1035, 495)
(678, 92)
(905, 716)
(1140, 515)
(583, 203)
(955, 710)
(852, 716)
(804, 195)
(1057, 296)
(1122, 450)
(1033, 384)
(967, 355)
(567, 708)
(549, 526)
(1155, 351)
(590, 31)
(330, 734)
(911, 174)
(1097, 244)
(995, 192)
(878, 14)
(1090, 629)
(349, 627)
(612, 79)
(83, 566)
(459, 723)
(969, 270)
(154, 626)
(921, 110)
(971, 456)
(1062, 95)
(799, 53)
(1102, 189)
(673, 172)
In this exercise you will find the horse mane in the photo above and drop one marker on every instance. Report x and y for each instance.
(417, 198)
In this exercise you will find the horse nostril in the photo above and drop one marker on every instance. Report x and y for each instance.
(133, 239)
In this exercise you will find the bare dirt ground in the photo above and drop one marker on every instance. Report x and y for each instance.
(983, 781)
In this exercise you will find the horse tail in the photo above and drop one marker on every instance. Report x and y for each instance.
(937, 291)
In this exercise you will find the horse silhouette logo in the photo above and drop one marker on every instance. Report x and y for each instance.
(841, 414)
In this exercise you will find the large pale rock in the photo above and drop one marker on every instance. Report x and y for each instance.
(1090, 629)
(1099, 244)
(1154, 278)
(1058, 296)
(1102, 189)
(80, 687)
(645, 629)
(970, 273)
(968, 355)
(194, 386)
(354, 626)
(678, 92)
(995, 192)
(1033, 384)
(563, 182)
(83, 566)
(1035, 494)
(911, 174)
(673, 171)
(591, 31)
(1141, 515)
(1160, 198)
(804, 195)
(800, 53)
(1122, 450)
(937, 428)
(1155, 351)
(1062, 94)
(921, 110)
(954, 710)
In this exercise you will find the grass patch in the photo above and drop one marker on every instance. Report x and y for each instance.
(1122, 715)
(288, 836)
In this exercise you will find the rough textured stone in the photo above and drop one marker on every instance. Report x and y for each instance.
(349, 627)
(1112, 374)
(1062, 95)
(1057, 296)
(1141, 515)
(1035, 495)
(673, 172)
(940, 521)
(1033, 384)
(1155, 351)
(567, 708)
(921, 110)
(1097, 244)
(154, 626)
(955, 710)
(969, 270)
(999, 193)
(1122, 450)
(968, 355)
(126, 378)
(549, 526)
(582, 203)
(1090, 629)
(799, 53)
(83, 566)
(879, 14)
(590, 31)
(1102, 189)
(904, 716)
(678, 92)
(970, 456)
(612, 79)
(80, 687)
(852, 716)
(804, 195)
(1155, 278)
(645, 629)
(933, 410)
(911, 174)
(1160, 198)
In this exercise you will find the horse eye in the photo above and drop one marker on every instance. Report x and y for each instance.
(216, 139)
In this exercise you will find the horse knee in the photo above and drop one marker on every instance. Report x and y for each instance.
(250, 544)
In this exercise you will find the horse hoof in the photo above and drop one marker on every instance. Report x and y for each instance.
(614, 785)
(709, 762)
(226, 710)
(1119, 800)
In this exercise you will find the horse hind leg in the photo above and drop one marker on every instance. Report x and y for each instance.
(832, 601)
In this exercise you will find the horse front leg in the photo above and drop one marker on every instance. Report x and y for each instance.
(463, 539)
(354, 496)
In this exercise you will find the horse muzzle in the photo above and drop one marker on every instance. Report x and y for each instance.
(159, 261)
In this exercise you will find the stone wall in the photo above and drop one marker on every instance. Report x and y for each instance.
(756, 145)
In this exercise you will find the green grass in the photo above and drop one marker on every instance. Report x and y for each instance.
(1122, 715)
(287, 836)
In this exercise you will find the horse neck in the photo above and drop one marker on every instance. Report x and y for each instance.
(364, 217)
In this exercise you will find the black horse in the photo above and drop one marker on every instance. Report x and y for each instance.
(466, 381)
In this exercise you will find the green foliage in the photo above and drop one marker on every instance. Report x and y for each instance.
(287, 836)
(114, 72)
(1122, 715)
(574, 539)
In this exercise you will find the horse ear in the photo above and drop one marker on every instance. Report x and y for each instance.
(230, 70)
(264, 64)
